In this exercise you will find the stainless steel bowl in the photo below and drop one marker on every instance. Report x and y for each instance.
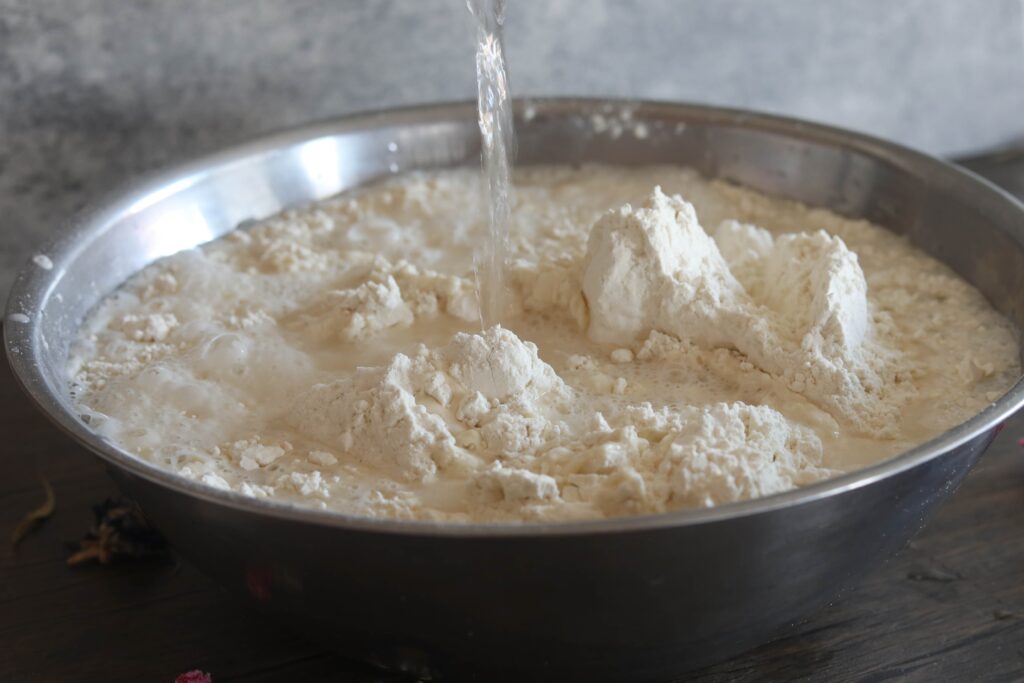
(637, 598)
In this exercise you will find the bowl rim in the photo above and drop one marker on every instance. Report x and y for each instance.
(34, 284)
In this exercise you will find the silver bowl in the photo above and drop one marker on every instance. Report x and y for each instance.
(638, 598)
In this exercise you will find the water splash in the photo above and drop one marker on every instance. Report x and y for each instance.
(497, 148)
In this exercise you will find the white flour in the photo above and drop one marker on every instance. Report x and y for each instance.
(662, 354)
(801, 316)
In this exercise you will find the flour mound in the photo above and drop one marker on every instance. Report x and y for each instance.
(736, 451)
(391, 295)
(815, 285)
(419, 413)
(358, 312)
(799, 310)
(497, 365)
(648, 266)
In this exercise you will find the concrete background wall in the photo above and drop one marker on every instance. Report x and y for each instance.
(93, 92)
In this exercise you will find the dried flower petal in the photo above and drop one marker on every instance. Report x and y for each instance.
(121, 530)
(35, 516)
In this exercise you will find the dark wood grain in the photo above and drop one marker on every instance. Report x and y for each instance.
(950, 607)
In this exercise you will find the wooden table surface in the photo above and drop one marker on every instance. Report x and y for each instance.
(950, 607)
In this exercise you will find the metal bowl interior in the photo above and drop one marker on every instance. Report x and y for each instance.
(958, 218)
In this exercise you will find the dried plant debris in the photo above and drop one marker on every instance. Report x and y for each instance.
(35, 517)
(931, 571)
(120, 531)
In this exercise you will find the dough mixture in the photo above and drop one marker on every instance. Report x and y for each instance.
(671, 342)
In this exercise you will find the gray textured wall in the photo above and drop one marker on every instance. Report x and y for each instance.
(95, 91)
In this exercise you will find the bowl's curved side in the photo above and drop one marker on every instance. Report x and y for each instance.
(640, 605)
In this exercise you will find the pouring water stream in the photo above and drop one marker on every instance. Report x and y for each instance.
(497, 148)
